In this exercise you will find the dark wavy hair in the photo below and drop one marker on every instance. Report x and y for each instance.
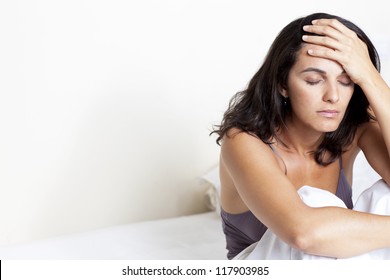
(260, 109)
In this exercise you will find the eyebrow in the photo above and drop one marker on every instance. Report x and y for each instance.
(317, 70)
(313, 69)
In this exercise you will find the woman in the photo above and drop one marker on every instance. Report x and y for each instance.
(315, 103)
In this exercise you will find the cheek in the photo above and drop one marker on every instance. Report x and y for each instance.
(300, 92)
(303, 98)
(302, 106)
(347, 99)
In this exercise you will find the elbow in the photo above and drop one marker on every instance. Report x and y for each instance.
(308, 234)
(305, 240)
(301, 242)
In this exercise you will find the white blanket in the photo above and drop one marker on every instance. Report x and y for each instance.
(375, 199)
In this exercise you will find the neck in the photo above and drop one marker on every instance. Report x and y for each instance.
(299, 140)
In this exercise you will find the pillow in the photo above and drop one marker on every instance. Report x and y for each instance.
(212, 189)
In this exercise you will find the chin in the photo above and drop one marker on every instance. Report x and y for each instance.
(328, 128)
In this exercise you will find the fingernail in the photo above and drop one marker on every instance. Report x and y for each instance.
(314, 21)
(304, 37)
(306, 27)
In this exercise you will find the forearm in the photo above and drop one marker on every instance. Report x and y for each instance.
(343, 233)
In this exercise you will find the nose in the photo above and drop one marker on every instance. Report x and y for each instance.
(331, 93)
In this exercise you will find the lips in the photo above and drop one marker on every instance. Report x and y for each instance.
(328, 113)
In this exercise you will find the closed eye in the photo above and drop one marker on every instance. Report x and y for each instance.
(312, 83)
(345, 80)
(347, 83)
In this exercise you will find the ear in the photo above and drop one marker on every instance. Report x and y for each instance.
(283, 91)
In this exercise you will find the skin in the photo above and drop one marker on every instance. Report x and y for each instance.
(319, 87)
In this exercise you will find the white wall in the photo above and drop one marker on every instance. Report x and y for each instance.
(106, 106)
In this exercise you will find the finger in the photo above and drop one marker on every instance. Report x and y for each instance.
(335, 24)
(324, 30)
(323, 41)
(327, 53)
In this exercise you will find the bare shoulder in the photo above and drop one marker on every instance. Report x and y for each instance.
(242, 155)
(367, 132)
(245, 152)
(237, 141)
(250, 173)
(361, 138)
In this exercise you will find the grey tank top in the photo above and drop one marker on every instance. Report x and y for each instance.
(244, 229)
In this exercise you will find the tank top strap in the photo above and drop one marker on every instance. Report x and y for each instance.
(279, 156)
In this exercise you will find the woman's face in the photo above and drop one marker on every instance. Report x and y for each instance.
(319, 91)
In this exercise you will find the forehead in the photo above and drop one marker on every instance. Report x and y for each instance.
(304, 60)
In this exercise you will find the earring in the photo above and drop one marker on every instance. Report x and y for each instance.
(285, 99)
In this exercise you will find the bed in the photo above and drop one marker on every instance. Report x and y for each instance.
(197, 236)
